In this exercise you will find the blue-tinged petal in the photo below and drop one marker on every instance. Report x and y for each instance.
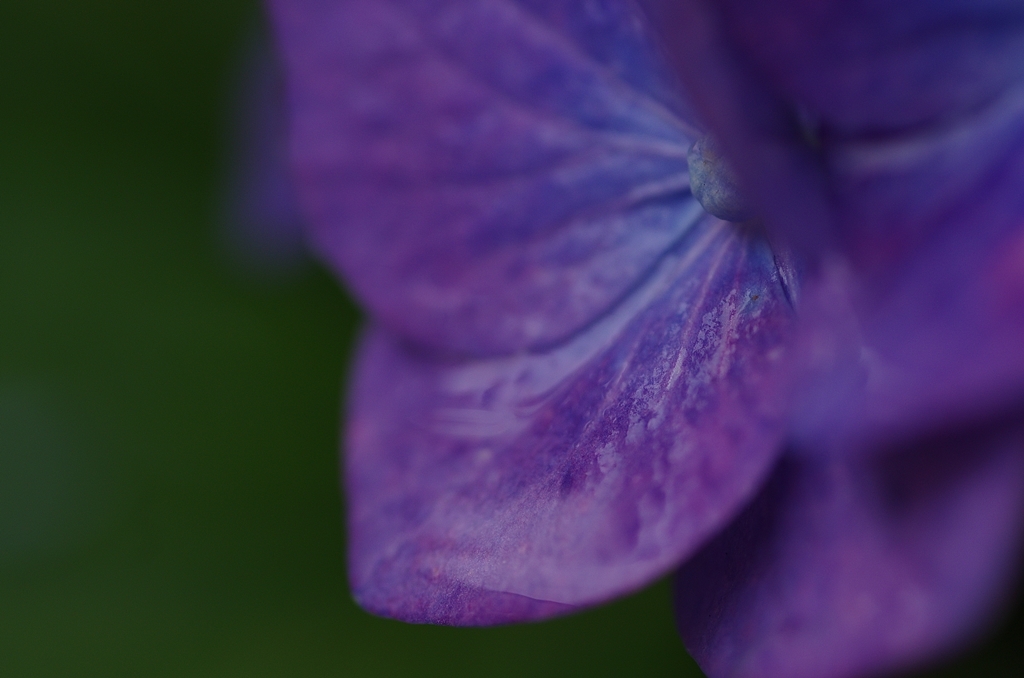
(485, 491)
(850, 568)
(488, 175)
(886, 141)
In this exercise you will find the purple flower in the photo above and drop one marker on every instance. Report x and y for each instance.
(576, 379)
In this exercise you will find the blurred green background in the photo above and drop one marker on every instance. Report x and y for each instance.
(168, 419)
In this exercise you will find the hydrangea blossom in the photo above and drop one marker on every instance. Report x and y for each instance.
(576, 378)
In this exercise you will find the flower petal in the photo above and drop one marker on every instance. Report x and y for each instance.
(887, 143)
(485, 491)
(850, 568)
(487, 175)
(942, 349)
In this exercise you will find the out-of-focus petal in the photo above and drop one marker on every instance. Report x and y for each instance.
(496, 490)
(845, 568)
(263, 224)
(886, 142)
(487, 175)
(936, 336)
(942, 349)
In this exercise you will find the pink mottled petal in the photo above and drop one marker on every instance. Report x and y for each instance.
(485, 491)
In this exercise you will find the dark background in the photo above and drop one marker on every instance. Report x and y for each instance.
(169, 414)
